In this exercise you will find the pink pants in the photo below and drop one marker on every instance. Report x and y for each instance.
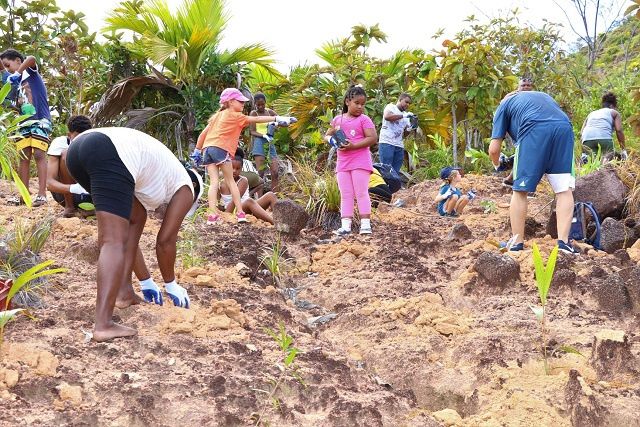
(354, 184)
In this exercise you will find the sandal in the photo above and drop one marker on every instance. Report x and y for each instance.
(39, 201)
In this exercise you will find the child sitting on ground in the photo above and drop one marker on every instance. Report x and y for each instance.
(257, 208)
(450, 200)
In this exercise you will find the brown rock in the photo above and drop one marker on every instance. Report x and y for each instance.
(86, 250)
(614, 235)
(448, 417)
(460, 232)
(204, 280)
(497, 269)
(70, 393)
(9, 377)
(195, 271)
(611, 354)
(634, 252)
(611, 294)
(289, 217)
(47, 364)
(632, 284)
(585, 410)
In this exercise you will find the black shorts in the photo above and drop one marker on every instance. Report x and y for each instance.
(93, 161)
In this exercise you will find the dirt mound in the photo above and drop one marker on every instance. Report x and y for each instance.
(393, 329)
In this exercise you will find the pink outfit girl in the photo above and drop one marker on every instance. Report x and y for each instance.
(354, 166)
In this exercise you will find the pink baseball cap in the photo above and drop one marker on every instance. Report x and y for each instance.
(232, 93)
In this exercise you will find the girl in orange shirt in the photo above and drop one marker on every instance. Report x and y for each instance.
(219, 140)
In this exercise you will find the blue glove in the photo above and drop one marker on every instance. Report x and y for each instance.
(151, 291)
(15, 78)
(196, 156)
(178, 294)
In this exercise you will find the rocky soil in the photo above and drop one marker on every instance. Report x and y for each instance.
(424, 323)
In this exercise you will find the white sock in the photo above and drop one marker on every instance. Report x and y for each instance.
(346, 224)
(148, 283)
(365, 223)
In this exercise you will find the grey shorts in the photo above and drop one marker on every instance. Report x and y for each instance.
(215, 156)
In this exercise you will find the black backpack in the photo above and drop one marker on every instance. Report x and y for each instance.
(389, 175)
(579, 224)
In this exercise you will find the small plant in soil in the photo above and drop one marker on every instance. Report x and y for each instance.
(287, 368)
(544, 275)
(489, 206)
(19, 284)
(189, 247)
(274, 259)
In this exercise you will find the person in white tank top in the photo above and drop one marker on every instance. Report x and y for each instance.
(597, 129)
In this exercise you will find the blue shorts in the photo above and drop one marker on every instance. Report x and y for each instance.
(259, 145)
(215, 156)
(546, 149)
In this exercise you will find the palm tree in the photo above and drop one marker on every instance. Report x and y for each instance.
(181, 43)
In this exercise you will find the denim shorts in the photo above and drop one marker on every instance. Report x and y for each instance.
(259, 145)
(216, 156)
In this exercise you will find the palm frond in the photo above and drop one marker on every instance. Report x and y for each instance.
(118, 98)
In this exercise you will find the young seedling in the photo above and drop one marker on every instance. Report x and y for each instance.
(287, 366)
(274, 260)
(20, 282)
(489, 206)
(544, 275)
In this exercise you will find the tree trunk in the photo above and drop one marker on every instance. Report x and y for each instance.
(455, 134)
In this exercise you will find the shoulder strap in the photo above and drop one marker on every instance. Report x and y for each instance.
(594, 239)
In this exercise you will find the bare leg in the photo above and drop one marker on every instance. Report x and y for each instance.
(23, 167)
(212, 171)
(259, 161)
(168, 235)
(461, 204)
(41, 164)
(65, 177)
(256, 210)
(564, 214)
(450, 205)
(126, 294)
(112, 237)
(267, 201)
(518, 214)
(275, 177)
(227, 172)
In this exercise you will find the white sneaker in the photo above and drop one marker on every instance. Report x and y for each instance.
(365, 230)
(342, 232)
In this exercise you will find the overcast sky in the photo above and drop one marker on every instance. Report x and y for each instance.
(294, 28)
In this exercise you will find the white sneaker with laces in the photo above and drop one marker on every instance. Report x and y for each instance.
(365, 230)
(342, 232)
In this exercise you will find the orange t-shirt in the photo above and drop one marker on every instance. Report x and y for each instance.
(224, 130)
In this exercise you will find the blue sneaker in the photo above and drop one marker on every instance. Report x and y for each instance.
(514, 248)
(567, 248)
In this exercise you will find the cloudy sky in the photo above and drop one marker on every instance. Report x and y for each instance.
(294, 28)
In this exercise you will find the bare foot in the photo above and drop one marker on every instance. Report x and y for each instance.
(126, 302)
(69, 212)
(113, 331)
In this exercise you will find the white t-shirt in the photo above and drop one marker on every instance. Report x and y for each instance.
(156, 171)
(58, 145)
(392, 131)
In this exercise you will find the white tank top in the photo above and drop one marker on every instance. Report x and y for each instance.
(227, 200)
(599, 125)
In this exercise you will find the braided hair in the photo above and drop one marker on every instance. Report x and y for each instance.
(352, 92)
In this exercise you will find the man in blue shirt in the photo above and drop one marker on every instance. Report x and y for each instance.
(36, 129)
(545, 146)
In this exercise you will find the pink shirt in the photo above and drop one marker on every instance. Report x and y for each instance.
(354, 128)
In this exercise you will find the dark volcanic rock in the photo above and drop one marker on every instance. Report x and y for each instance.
(460, 232)
(289, 217)
(611, 354)
(582, 404)
(611, 294)
(615, 235)
(497, 269)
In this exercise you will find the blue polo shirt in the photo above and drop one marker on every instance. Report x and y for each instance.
(38, 95)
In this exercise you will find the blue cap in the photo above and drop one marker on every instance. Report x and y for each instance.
(445, 173)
